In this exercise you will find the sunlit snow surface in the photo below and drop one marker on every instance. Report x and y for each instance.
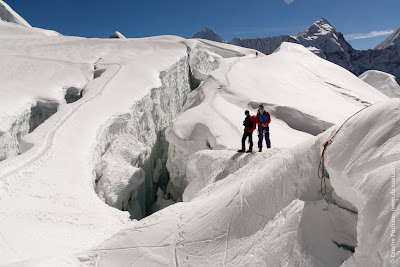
(9, 15)
(260, 209)
(384, 82)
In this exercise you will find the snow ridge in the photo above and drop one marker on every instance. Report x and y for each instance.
(9, 15)
(382, 81)
(393, 40)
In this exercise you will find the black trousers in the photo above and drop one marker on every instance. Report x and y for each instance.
(245, 135)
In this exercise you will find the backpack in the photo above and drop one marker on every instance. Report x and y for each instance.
(253, 119)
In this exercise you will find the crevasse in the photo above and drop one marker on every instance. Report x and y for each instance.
(132, 152)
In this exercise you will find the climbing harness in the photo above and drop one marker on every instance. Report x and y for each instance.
(321, 168)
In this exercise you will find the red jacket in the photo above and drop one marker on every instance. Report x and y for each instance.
(250, 127)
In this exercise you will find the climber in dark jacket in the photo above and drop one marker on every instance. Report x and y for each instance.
(263, 120)
(249, 124)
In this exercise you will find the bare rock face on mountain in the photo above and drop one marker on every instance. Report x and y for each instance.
(209, 34)
(385, 57)
(265, 45)
(323, 36)
(322, 39)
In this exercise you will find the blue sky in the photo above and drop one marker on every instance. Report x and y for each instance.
(230, 18)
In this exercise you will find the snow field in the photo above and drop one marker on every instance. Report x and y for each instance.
(304, 94)
(49, 189)
(269, 211)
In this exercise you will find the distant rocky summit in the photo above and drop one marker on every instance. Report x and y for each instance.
(266, 45)
(209, 34)
(322, 39)
(117, 35)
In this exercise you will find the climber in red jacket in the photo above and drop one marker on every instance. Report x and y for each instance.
(249, 126)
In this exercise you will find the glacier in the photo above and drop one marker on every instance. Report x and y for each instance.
(123, 153)
(252, 224)
(132, 166)
(52, 183)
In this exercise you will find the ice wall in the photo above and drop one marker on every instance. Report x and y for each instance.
(10, 138)
(13, 128)
(22, 124)
(133, 151)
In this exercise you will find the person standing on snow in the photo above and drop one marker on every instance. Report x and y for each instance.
(249, 126)
(263, 120)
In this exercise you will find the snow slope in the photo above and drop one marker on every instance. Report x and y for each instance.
(266, 209)
(382, 81)
(52, 195)
(293, 83)
(392, 40)
(269, 212)
(9, 15)
(138, 124)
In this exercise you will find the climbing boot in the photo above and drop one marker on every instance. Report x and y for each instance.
(249, 151)
(241, 151)
(260, 150)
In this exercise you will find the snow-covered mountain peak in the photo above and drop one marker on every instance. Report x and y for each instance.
(323, 36)
(9, 15)
(208, 34)
(117, 35)
(320, 27)
(391, 41)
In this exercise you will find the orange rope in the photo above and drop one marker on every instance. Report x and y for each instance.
(321, 171)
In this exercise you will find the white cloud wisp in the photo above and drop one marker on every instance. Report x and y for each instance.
(355, 36)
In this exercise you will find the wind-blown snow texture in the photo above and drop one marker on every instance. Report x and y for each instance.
(138, 124)
(323, 40)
